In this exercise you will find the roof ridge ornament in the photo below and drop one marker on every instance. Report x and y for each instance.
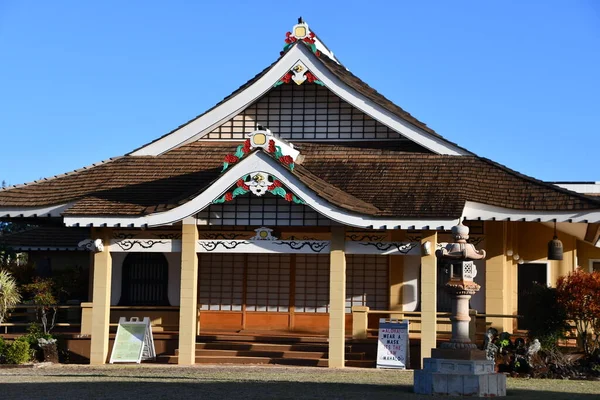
(263, 138)
(299, 73)
(259, 183)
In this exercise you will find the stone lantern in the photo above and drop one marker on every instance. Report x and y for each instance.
(458, 367)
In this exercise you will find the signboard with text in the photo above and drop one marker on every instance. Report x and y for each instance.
(393, 345)
(133, 342)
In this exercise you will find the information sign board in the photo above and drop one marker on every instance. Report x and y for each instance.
(133, 342)
(393, 345)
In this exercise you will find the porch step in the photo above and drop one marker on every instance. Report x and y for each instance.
(305, 362)
(279, 347)
(269, 349)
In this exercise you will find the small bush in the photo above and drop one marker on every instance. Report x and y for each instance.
(2, 350)
(18, 352)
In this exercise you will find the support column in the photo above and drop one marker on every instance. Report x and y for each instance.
(188, 306)
(337, 298)
(428, 296)
(497, 296)
(397, 274)
(101, 298)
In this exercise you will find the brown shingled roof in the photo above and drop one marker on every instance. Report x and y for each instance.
(44, 237)
(371, 181)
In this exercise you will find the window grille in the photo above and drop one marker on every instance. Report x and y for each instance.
(145, 280)
(312, 283)
(221, 281)
(268, 284)
(367, 281)
(304, 112)
(267, 210)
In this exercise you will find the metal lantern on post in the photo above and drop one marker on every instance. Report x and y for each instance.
(555, 247)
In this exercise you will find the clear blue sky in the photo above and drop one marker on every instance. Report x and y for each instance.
(514, 81)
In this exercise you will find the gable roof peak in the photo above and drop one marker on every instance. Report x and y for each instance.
(302, 33)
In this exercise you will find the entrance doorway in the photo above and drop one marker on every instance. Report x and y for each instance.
(528, 276)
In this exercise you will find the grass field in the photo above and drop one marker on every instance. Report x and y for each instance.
(243, 382)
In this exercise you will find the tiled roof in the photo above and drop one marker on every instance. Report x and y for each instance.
(371, 181)
(44, 237)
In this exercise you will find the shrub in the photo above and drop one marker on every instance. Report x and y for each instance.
(18, 352)
(42, 294)
(579, 293)
(9, 293)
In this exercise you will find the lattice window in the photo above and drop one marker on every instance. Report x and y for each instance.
(304, 112)
(268, 284)
(266, 210)
(145, 280)
(221, 281)
(312, 283)
(367, 281)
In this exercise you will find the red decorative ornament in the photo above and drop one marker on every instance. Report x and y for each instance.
(289, 197)
(318, 53)
(271, 146)
(287, 78)
(246, 148)
(312, 35)
(228, 196)
(310, 77)
(288, 34)
(274, 185)
(286, 160)
(230, 158)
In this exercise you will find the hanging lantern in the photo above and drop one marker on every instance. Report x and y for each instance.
(555, 247)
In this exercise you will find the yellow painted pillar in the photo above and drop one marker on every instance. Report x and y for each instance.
(497, 275)
(101, 298)
(188, 317)
(428, 296)
(337, 298)
(397, 274)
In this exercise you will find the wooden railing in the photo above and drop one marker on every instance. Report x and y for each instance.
(477, 326)
(23, 315)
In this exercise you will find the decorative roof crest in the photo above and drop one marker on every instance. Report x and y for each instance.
(263, 138)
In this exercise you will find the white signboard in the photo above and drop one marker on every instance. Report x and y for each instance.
(133, 342)
(393, 345)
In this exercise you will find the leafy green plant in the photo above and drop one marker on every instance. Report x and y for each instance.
(9, 294)
(18, 352)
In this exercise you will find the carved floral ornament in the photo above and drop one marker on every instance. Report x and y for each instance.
(259, 183)
(263, 138)
(299, 74)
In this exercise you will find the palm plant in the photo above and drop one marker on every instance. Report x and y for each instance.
(9, 294)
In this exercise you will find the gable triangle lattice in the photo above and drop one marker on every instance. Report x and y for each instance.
(304, 112)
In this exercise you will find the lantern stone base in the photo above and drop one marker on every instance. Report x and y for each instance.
(459, 378)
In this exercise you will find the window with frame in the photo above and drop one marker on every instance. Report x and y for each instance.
(145, 280)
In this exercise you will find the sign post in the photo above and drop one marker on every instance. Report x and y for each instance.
(133, 342)
(393, 344)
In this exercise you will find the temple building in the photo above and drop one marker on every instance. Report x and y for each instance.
(304, 202)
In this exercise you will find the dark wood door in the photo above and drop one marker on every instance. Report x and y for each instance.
(528, 276)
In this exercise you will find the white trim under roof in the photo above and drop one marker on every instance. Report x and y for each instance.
(34, 212)
(257, 161)
(484, 212)
(580, 187)
(204, 124)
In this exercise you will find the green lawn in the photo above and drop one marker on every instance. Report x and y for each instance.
(243, 382)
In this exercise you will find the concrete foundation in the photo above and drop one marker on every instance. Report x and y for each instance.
(459, 378)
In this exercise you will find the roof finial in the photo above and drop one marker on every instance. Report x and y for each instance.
(300, 20)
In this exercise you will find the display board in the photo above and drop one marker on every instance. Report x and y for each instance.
(133, 342)
(393, 346)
